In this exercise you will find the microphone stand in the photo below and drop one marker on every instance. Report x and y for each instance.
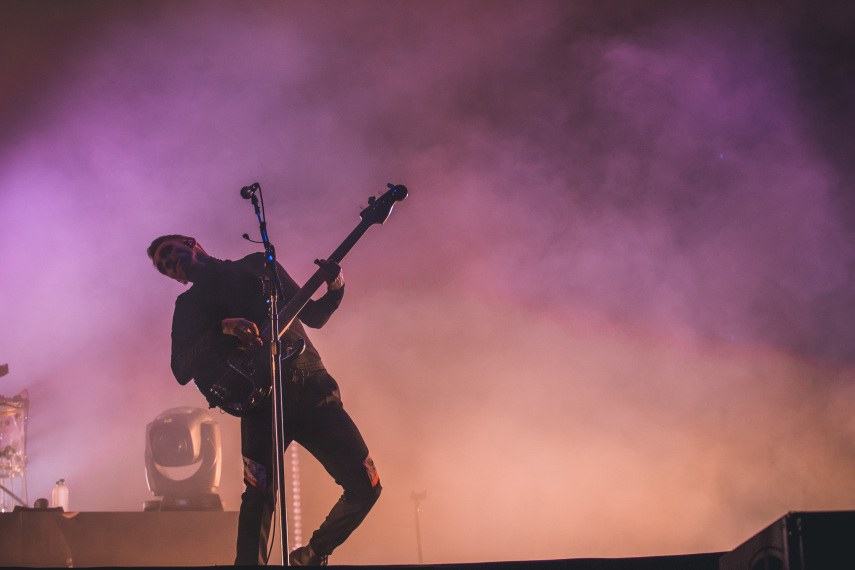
(273, 287)
(418, 498)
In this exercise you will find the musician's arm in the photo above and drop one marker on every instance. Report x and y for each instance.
(317, 312)
(193, 336)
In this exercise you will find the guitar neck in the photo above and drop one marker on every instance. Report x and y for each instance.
(302, 297)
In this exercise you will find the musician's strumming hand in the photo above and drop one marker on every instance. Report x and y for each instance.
(334, 276)
(244, 329)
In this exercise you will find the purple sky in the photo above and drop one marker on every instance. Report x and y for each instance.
(612, 319)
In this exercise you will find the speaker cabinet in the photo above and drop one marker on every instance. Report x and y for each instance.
(798, 541)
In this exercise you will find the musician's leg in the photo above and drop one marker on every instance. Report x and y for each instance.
(257, 501)
(328, 433)
(253, 527)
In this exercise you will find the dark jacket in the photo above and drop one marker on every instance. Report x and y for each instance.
(233, 289)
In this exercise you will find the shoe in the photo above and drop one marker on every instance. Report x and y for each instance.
(305, 556)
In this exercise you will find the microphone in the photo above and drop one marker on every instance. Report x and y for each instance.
(248, 192)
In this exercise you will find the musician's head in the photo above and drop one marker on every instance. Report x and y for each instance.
(177, 256)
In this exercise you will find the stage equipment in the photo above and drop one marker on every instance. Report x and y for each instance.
(31, 538)
(183, 461)
(13, 450)
(417, 499)
(296, 499)
(798, 541)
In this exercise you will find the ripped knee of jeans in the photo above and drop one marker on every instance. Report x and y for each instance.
(372, 493)
(371, 471)
(254, 474)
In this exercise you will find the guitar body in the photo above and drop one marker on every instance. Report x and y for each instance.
(244, 378)
(241, 381)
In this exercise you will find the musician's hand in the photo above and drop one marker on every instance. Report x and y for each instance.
(245, 330)
(333, 274)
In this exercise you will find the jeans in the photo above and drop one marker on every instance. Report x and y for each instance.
(315, 418)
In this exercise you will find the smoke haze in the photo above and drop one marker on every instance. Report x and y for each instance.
(612, 319)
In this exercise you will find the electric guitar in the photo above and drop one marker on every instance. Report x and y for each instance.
(242, 379)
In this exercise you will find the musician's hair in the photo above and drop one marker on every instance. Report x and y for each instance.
(157, 241)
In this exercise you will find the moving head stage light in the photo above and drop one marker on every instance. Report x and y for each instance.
(183, 460)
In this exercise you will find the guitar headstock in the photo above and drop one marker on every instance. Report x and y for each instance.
(379, 208)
